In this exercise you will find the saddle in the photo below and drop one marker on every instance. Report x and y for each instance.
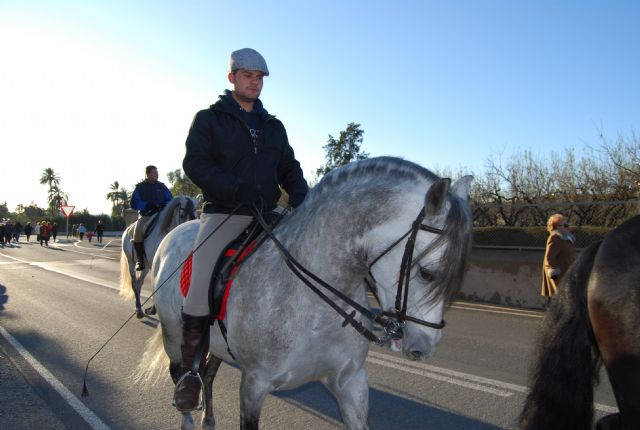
(228, 264)
(150, 225)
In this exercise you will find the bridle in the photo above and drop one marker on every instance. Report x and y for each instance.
(392, 322)
(399, 315)
(189, 210)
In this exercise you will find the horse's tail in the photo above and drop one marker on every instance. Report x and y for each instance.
(126, 282)
(567, 362)
(154, 360)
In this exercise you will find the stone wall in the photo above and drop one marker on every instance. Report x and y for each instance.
(505, 277)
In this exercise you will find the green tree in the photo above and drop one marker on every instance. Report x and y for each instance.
(343, 150)
(4, 211)
(181, 184)
(49, 177)
(119, 197)
(55, 196)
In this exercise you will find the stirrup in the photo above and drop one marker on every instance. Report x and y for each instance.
(200, 405)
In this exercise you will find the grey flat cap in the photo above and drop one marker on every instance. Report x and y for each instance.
(248, 59)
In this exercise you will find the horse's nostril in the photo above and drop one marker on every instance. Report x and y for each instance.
(415, 355)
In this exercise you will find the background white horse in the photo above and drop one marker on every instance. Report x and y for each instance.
(283, 335)
(179, 209)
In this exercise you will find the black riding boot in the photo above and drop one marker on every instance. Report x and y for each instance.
(187, 395)
(139, 248)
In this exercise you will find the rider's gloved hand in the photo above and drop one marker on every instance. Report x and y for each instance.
(151, 207)
(296, 200)
(248, 194)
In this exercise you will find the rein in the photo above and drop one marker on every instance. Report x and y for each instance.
(391, 322)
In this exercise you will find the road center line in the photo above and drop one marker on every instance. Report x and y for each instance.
(82, 410)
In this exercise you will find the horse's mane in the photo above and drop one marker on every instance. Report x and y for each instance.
(379, 169)
(167, 213)
(383, 178)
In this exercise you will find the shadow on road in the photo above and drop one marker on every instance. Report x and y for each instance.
(4, 298)
(386, 410)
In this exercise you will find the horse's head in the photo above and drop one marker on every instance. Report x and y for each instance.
(179, 210)
(188, 206)
(426, 255)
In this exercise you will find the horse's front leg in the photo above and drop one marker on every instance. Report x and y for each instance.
(351, 389)
(210, 371)
(253, 391)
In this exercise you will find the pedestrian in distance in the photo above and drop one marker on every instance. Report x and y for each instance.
(44, 234)
(559, 253)
(54, 231)
(27, 230)
(2, 227)
(37, 229)
(17, 230)
(81, 231)
(240, 156)
(99, 231)
(8, 232)
(90, 236)
(148, 198)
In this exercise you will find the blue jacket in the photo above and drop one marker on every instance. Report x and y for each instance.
(148, 198)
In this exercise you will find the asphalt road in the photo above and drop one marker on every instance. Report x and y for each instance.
(59, 305)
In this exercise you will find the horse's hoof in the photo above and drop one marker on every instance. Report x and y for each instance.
(139, 313)
(150, 310)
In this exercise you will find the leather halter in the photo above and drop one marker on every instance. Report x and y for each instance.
(391, 322)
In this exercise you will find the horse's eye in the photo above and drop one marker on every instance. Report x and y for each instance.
(427, 275)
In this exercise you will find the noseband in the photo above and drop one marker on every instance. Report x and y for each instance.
(395, 321)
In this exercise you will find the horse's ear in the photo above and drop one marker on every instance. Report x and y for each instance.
(436, 196)
(462, 187)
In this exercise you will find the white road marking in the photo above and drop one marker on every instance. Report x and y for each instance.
(458, 378)
(442, 375)
(496, 309)
(82, 410)
(50, 267)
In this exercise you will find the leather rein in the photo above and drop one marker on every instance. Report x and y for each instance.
(392, 322)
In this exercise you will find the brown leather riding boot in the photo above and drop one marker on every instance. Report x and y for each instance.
(187, 394)
(139, 248)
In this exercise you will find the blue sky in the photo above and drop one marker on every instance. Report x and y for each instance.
(97, 90)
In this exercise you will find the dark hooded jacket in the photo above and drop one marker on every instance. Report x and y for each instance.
(222, 152)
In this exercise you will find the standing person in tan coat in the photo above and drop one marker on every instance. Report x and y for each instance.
(559, 254)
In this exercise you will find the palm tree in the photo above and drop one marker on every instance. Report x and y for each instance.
(114, 194)
(125, 196)
(56, 198)
(49, 177)
(119, 197)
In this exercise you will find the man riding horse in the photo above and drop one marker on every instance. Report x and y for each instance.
(148, 198)
(239, 155)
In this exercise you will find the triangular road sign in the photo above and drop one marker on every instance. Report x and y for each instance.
(67, 210)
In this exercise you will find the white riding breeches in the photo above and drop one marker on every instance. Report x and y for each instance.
(206, 254)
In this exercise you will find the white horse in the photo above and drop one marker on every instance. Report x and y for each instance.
(359, 219)
(180, 209)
